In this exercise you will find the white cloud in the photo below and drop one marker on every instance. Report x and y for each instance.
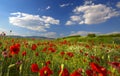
(82, 33)
(69, 23)
(49, 34)
(88, 2)
(32, 22)
(65, 5)
(75, 18)
(90, 13)
(48, 7)
(118, 5)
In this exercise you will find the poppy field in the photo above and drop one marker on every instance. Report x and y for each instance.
(59, 57)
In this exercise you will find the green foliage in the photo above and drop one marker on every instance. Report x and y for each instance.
(74, 36)
(110, 35)
(91, 35)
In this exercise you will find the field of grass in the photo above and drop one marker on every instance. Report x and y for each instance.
(74, 56)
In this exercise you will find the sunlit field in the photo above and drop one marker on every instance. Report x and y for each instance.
(60, 57)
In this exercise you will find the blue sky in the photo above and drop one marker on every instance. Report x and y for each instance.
(58, 18)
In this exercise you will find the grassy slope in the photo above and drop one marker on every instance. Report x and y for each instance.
(115, 40)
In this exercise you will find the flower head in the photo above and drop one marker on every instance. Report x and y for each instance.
(24, 53)
(77, 72)
(14, 49)
(34, 67)
(45, 71)
(34, 47)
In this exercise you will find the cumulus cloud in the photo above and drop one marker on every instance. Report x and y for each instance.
(48, 7)
(69, 23)
(82, 33)
(91, 13)
(118, 5)
(65, 5)
(32, 22)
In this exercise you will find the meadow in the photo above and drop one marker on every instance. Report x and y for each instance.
(74, 56)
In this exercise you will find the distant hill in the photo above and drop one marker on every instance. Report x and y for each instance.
(110, 35)
(38, 37)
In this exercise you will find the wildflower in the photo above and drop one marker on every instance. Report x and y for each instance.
(44, 49)
(101, 70)
(24, 53)
(47, 63)
(86, 54)
(34, 47)
(77, 72)
(62, 53)
(87, 46)
(70, 54)
(66, 58)
(81, 51)
(51, 45)
(63, 71)
(51, 49)
(19, 62)
(115, 65)
(5, 54)
(36, 54)
(64, 42)
(95, 58)
(14, 49)
(45, 71)
(89, 72)
(34, 67)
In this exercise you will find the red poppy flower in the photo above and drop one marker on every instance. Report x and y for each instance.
(62, 53)
(77, 73)
(101, 70)
(14, 49)
(36, 54)
(45, 71)
(64, 42)
(70, 54)
(47, 63)
(24, 53)
(87, 46)
(89, 72)
(86, 54)
(44, 49)
(115, 65)
(51, 45)
(51, 49)
(64, 72)
(95, 58)
(34, 67)
(81, 51)
(34, 47)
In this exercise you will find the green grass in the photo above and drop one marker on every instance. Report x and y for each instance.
(104, 48)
